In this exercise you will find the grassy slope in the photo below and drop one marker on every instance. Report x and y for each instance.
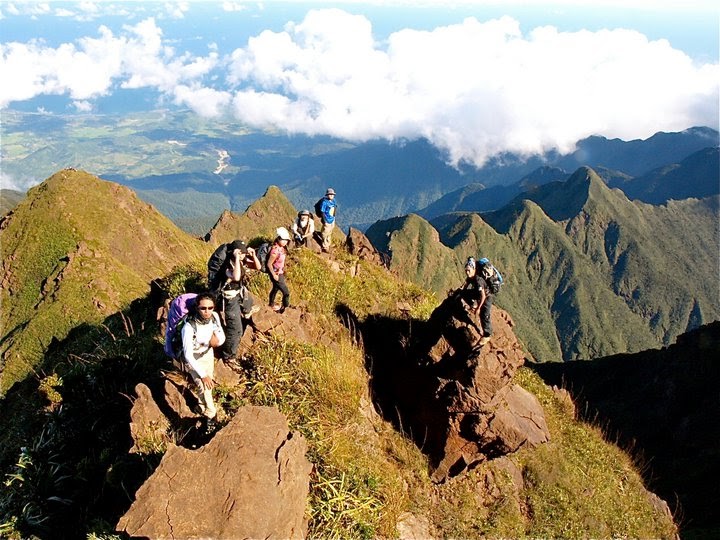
(259, 220)
(75, 250)
(564, 479)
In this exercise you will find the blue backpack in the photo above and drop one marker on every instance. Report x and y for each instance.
(491, 275)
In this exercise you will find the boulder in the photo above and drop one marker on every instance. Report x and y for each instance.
(148, 425)
(359, 245)
(250, 481)
(454, 397)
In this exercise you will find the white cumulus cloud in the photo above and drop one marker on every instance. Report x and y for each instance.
(474, 88)
(94, 67)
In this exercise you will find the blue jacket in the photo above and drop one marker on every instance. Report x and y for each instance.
(328, 210)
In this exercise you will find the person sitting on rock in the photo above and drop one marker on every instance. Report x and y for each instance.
(303, 228)
(478, 296)
(276, 270)
(200, 334)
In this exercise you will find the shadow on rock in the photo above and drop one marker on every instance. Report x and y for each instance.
(452, 397)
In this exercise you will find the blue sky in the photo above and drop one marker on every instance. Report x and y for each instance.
(475, 78)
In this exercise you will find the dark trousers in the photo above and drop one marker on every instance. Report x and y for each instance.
(279, 285)
(300, 241)
(232, 308)
(485, 315)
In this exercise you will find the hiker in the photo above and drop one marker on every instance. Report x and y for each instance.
(276, 270)
(202, 332)
(235, 298)
(477, 294)
(303, 228)
(327, 216)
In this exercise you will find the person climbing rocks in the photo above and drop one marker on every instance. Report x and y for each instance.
(328, 209)
(303, 228)
(276, 270)
(200, 335)
(477, 294)
(237, 304)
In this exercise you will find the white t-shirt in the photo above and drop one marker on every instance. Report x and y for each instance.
(197, 342)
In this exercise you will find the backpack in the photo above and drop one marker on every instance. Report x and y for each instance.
(491, 275)
(262, 253)
(318, 208)
(216, 264)
(177, 317)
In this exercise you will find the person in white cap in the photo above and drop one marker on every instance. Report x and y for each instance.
(327, 211)
(276, 269)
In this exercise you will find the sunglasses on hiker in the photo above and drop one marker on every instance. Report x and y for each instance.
(206, 308)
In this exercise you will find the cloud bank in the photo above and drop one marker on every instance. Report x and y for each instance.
(474, 89)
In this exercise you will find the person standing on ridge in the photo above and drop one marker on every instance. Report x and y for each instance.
(202, 332)
(276, 270)
(303, 228)
(476, 293)
(237, 302)
(328, 208)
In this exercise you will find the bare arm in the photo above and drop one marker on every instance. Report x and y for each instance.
(236, 265)
(255, 261)
(270, 261)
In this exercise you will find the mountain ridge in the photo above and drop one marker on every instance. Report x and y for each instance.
(50, 245)
(75, 412)
(579, 243)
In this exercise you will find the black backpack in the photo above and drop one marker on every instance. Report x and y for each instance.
(318, 208)
(262, 253)
(216, 265)
(491, 275)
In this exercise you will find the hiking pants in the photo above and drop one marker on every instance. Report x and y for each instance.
(485, 315)
(279, 285)
(232, 308)
(327, 229)
(204, 394)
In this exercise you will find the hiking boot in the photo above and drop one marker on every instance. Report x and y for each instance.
(484, 340)
(253, 311)
(233, 364)
(278, 308)
(211, 426)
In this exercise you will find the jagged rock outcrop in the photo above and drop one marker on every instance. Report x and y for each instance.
(148, 425)
(359, 245)
(452, 396)
(250, 481)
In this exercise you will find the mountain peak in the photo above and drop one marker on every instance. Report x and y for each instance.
(260, 219)
(78, 244)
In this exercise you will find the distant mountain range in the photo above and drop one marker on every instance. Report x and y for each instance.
(588, 272)
(192, 169)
